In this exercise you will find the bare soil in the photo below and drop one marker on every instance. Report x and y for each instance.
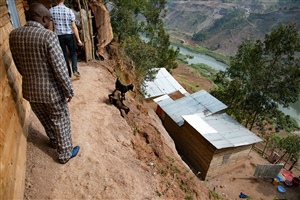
(230, 184)
(187, 77)
(126, 158)
(120, 158)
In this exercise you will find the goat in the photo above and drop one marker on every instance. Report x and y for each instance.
(117, 99)
(123, 88)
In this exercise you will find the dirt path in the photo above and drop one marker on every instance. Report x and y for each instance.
(103, 169)
(123, 158)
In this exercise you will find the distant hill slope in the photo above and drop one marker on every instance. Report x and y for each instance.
(226, 25)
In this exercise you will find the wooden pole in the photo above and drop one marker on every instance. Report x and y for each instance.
(90, 18)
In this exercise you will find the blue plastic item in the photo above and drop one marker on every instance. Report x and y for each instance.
(242, 195)
(278, 178)
(281, 189)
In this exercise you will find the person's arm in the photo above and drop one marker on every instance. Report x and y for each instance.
(75, 30)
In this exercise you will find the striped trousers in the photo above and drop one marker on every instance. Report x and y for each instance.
(55, 118)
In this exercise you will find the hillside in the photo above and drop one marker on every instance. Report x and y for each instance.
(120, 158)
(131, 157)
(226, 24)
(126, 158)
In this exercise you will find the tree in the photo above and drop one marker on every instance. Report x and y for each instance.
(274, 143)
(132, 18)
(200, 36)
(290, 146)
(124, 18)
(268, 135)
(262, 75)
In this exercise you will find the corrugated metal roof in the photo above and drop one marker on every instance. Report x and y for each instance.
(163, 83)
(200, 102)
(164, 100)
(209, 101)
(221, 130)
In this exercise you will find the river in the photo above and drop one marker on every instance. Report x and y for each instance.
(294, 108)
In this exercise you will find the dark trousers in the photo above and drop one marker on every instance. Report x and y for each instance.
(69, 41)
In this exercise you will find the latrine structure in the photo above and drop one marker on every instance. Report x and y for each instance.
(208, 139)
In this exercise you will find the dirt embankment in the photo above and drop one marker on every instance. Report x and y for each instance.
(126, 158)
(120, 158)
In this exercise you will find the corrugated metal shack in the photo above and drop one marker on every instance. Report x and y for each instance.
(163, 83)
(209, 140)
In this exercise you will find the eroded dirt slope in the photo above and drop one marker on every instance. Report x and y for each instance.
(120, 158)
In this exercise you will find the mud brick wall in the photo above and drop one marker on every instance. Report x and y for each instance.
(14, 114)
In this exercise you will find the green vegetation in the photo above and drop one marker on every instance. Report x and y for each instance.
(176, 173)
(280, 121)
(262, 75)
(249, 87)
(290, 146)
(182, 59)
(214, 195)
(233, 19)
(205, 70)
(135, 130)
(132, 18)
(194, 69)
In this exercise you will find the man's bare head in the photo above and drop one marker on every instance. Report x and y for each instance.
(39, 13)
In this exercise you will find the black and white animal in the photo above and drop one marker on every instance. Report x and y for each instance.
(123, 88)
(117, 99)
